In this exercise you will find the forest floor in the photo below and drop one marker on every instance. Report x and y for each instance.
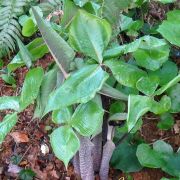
(23, 146)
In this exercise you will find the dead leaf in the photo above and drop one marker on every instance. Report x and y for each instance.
(53, 173)
(20, 137)
(14, 168)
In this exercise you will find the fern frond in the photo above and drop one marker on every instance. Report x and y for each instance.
(51, 6)
(10, 10)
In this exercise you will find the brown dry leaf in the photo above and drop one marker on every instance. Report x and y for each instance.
(20, 137)
(177, 127)
(14, 168)
(53, 173)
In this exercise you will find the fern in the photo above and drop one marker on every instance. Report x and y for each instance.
(10, 10)
(51, 6)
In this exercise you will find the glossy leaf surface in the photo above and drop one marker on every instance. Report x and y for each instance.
(31, 87)
(89, 34)
(87, 118)
(64, 143)
(80, 87)
(9, 102)
(7, 124)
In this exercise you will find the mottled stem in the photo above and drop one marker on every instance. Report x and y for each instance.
(97, 152)
(76, 164)
(85, 159)
(107, 153)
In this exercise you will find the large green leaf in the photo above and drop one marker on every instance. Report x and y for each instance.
(162, 147)
(7, 124)
(170, 28)
(149, 158)
(37, 49)
(60, 50)
(80, 87)
(126, 74)
(149, 52)
(171, 83)
(166, 73)
(161, 156)
(147, 85)
(47, 86)
(62, 115)
(64, 143)
(124, 158)
(31, 87)
(24, 53)
(137, 106)
(87, 118)
(111, 10)
(9, 102)
(173, 93)
(89, 34)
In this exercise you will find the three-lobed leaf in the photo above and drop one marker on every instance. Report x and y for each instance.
(80, 87)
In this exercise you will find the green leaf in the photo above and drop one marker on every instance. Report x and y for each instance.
(9, 102)
(80, 87)
(170, 28)
(168, 85)
(64, 143)
(116, 107)
(113, 93)
(166, 121)
(8, 79)
(148, 157)
(162, 147)
(80, 3)
(124, 158)
(70, 10)
(173, 93)
(61, 116)
(149, 52)
(147, 85)
(31, 87)
(37, 49)
(25, 54)
(7, 124)
(137, 106)
(166, 1)
(60, 50)
(87, 118)
(126, 74)
(166, 73)
(47, 86)
(111, 9)
(29, 28)
(27, 174)
(89, 34)
(127, 24)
